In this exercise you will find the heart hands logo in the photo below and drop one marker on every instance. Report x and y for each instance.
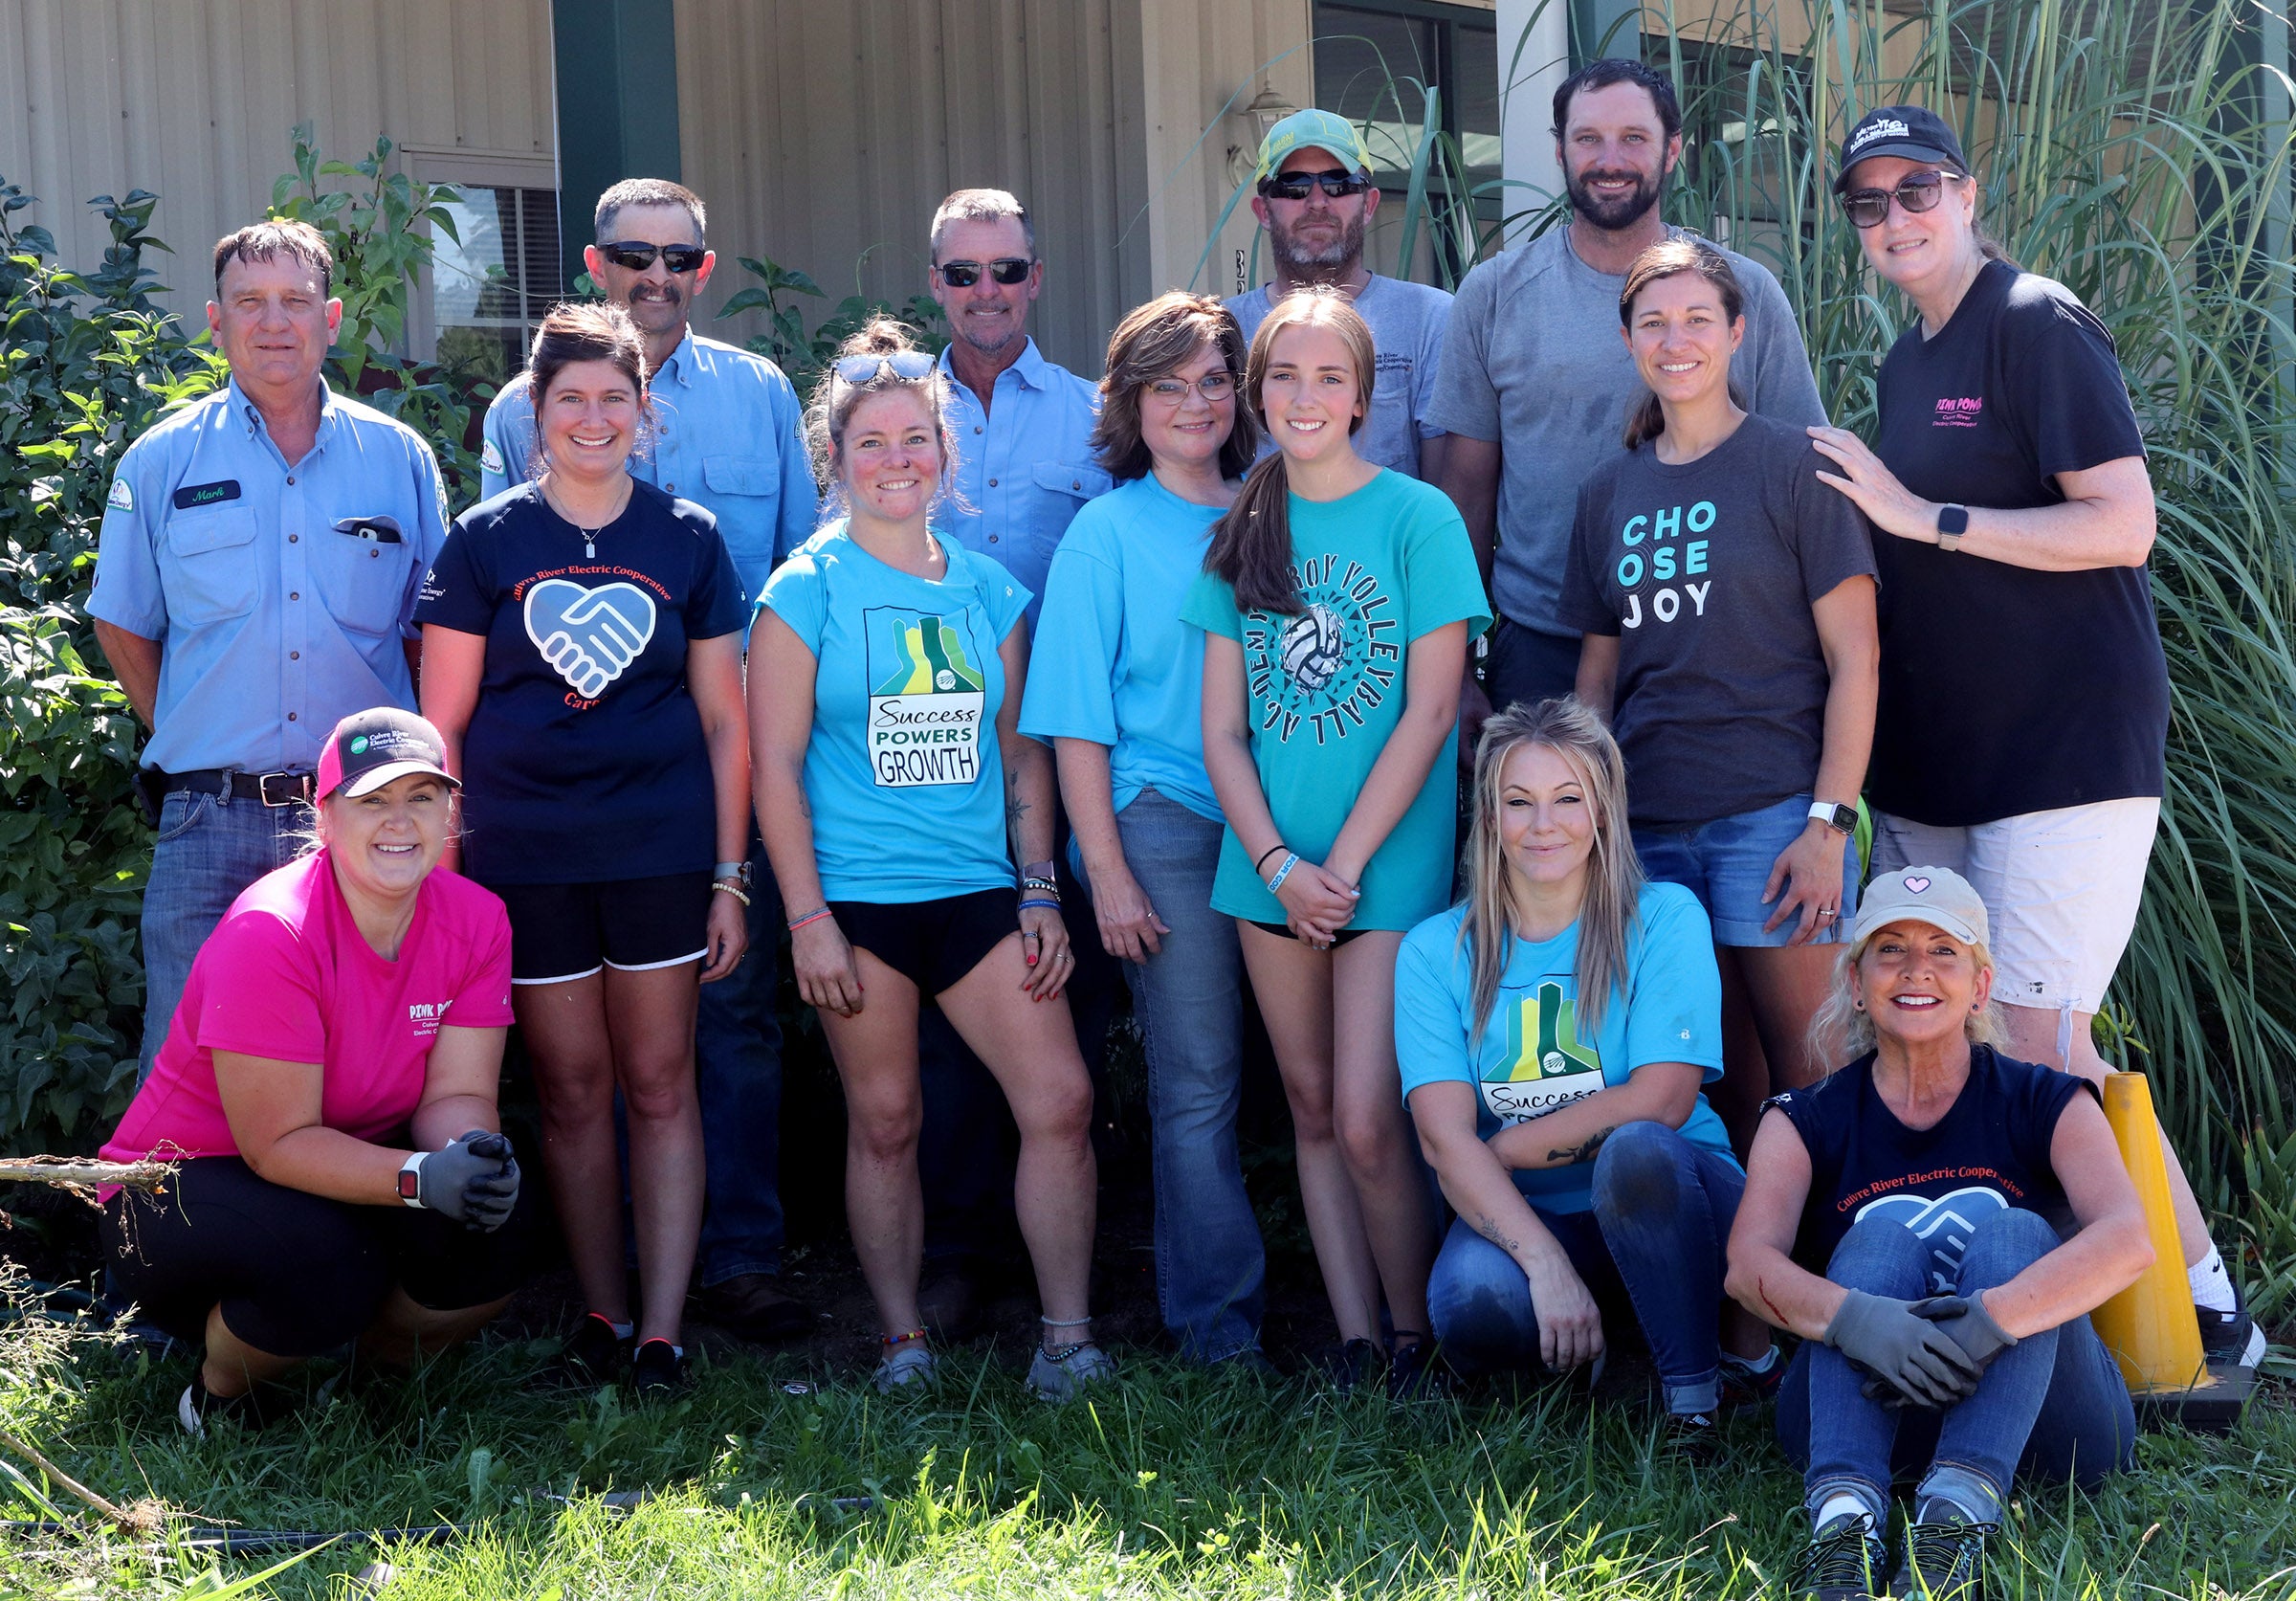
(588, 636)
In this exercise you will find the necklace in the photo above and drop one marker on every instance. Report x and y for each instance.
(589, 536)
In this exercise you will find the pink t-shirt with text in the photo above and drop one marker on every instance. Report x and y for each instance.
(288, 976)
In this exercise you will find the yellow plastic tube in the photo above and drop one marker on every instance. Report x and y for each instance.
(2151, 1326)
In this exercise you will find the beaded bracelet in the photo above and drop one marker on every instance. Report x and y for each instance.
(891, 1340)
(733, 889)
(809, 917)
(1052, 905)
(1265, 855)
(1282, 873)
(1050, 886)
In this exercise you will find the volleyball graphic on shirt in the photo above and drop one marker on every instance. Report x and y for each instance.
(1311, 648)
(1324, 667)
(1540, 1063)
(927, 698)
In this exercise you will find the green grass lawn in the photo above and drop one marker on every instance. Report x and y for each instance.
(1171, 1483)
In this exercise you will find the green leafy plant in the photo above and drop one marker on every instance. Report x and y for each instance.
(804, 356)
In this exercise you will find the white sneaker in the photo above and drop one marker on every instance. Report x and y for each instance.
(1059, 1378)
(905, 1367)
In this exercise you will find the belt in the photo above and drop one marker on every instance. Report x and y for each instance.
(271, 788)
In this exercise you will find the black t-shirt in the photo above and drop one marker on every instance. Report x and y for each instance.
(1988, 1153)
(585, 761)
(1705, 572)
(2004, 690)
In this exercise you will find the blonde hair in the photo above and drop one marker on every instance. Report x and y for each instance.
(1841, 1030)
(835, 397)
(1612, 903)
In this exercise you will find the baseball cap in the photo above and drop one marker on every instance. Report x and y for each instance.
(371, 749)
(1321, 130)
(1937, 896)
(1911, 131)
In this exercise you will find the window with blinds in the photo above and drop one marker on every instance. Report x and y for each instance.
(492, 283)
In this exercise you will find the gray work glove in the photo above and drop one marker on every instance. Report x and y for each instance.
(1915, 1357)
(473, 1179)
(1972, 1329)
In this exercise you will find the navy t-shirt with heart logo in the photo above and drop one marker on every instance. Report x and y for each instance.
(584, 761)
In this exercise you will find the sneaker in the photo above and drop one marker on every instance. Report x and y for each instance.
(909, 1367)
(1743, 1387)
(1059, 1376)
(755, 1306)
(2232, 1334)
(198, 1407)
(1845, 1561)
(1945, 1555)
(1351, 1366)
(595, 1353)
(1417, 1372)
(1692, 1436)
(657, 1371)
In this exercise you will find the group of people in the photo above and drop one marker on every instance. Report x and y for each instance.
(1169, 674)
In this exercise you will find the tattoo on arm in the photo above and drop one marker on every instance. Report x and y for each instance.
(1585, 1150)
(1015, 808)
(1489, 1228)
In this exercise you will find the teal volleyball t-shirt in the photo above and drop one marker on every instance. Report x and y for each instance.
(903, 772)
(1532, 1057)
(1377, 570)
(1111, 661)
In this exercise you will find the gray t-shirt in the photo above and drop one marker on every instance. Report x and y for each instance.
(1533, 360)
(1707, 573)
(1406, 321)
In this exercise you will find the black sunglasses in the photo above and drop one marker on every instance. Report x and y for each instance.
(963, 274)
(1337, 183)
(637, 258)
(1918, 192)
(910, 365)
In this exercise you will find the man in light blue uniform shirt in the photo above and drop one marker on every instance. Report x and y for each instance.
(254, 584)
(726, 437)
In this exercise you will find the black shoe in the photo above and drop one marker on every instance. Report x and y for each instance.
(657, 1371)
(198, 1407)
(1945, 1555)
(1845, 1561)
(595, 1353)
(1692, 1436)
(948, 1303)
(755, 1306)
(2232, 1334)
(1417, 1373)
(1351, 1366)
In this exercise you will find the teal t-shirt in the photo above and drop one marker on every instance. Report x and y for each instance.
(1378, 570)
(903, 773)
(1530, 1058)
(1112, 662)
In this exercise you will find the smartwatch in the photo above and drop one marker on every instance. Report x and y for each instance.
(739, 872)
(410, 1179)
(1842, 819)
(1952, 521)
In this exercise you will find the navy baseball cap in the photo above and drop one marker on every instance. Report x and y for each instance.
(1911, 131)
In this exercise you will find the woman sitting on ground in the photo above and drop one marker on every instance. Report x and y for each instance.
(1554, 1030)
(886, 672)
(1896, 1217)
(342, 1174)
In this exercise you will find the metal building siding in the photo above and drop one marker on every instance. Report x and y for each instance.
(197, 100)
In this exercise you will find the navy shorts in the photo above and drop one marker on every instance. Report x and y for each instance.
(932, 943)
(559, 932)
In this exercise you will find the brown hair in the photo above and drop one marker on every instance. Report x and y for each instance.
(1154, 341)
(1251, 542)
(585, 331)
(263, 242)
(1665, 259)
(834, 398)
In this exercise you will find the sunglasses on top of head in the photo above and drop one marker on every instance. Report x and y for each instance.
(908, 365)
(963, 274)
(1916, 193)
(1337, 182)
(637, 255)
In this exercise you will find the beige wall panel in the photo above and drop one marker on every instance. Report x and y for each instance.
(196, 100)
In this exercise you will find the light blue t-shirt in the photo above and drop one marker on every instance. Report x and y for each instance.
(1530, 1058)
(1112, 662)
(903, 773)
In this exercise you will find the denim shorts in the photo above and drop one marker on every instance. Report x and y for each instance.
(1726, 864)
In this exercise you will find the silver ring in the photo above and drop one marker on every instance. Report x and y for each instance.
(1828, 911)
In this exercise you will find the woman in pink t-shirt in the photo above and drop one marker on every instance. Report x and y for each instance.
(343, 1173)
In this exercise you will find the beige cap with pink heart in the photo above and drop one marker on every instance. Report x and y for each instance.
(1937, 896)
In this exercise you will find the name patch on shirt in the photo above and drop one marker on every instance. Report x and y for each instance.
(207, 494)
(925, 701)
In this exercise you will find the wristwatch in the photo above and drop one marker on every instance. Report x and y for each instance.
(410, 1179)
(1842, 819)
(1952, 521)
(741, 872)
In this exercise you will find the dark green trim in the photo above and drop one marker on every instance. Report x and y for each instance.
(1604, 28)
(617, 105)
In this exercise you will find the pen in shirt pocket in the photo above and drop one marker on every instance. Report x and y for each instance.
(376, 531)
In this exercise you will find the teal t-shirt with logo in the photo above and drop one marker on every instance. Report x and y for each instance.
(1532, 1057)
(903, 772)
(1378, 570)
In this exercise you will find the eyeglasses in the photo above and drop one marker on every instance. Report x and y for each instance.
(1338, 182)
(910, 364)
(637, 257)
(1917, 192)
(963, 274)
(1214, 387)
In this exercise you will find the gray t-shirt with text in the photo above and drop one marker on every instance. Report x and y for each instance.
(1406, 321)
(1532, 358)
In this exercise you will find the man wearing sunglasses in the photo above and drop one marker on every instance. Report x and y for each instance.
(1535, 384)
(725, 436)
(1317, 200)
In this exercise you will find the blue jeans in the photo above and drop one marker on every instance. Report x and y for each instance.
(1210, 1268)
(2051, 1407)
(738, 1081)
(209, 848)
(1661, 1214)
(1727, 862)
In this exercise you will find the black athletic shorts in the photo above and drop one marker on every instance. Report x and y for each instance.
(566, 931)
(297, 1273)
(1283, 932)
(932, 943)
